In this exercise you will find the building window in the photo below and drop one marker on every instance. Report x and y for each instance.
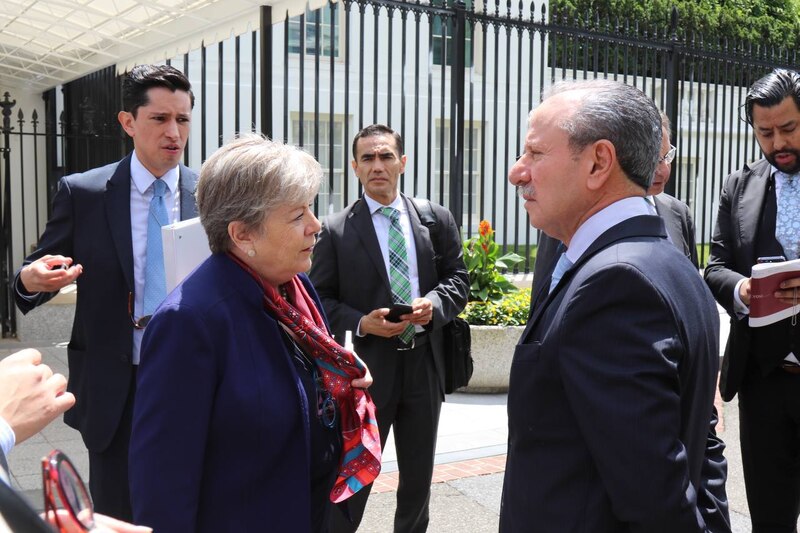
(327, 25)
(472, 142)
(331, 194)
(442, 42)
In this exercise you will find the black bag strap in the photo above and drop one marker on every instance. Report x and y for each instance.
(428, 217)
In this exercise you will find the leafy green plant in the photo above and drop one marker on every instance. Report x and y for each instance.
(510, 311)
(481, 255)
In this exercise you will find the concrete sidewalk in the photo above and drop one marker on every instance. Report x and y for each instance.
(470, 459)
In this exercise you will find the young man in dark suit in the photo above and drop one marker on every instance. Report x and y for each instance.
(98, 236)
(363, 253)
(612, 383)
(758, 217)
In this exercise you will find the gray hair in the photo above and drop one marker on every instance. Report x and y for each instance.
(621, 114)
(246, 179)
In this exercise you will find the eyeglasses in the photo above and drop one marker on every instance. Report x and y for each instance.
(669, 157)
(140, 323)
(326, 406)
(59, 478)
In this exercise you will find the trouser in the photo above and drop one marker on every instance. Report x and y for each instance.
(769, 428)
(413, 411)
(108, 470)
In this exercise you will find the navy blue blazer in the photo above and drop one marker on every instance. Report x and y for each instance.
(611, 393)
(220, 436)
(91, 222)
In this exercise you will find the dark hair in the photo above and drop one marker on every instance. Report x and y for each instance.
(771, 90)
(378, 129)
(142, 78)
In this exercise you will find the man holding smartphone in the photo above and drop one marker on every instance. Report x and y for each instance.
(759, 221)
(372, 259)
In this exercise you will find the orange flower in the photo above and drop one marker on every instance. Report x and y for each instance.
(484, 228)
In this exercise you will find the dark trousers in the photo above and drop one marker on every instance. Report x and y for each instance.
(108, 470)
(413, 411)
(769, 427)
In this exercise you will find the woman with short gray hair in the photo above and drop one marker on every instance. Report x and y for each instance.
(248, 412)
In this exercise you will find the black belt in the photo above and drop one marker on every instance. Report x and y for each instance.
(419, 340)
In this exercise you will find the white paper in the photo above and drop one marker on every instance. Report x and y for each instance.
(185, 246)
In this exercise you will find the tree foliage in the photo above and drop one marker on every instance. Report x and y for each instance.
(774, 23)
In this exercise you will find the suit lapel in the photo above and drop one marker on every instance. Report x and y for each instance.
(118, 212)
(751, 203)
(361, 221)
(644, 225)
(672, 221)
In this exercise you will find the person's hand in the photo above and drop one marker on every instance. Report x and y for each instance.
(422, 312)
(789, 292)
(31, 396)
(49, 273)
(362, 382)
(102, 524)
(744, 292)
(374, 323)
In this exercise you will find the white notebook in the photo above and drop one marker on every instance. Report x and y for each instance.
(185, 246)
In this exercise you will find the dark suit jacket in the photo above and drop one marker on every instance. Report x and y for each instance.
(611, 392)
(713, 499)
(679, 224)
(733, 254)
(91, 222)
(220, 437)
(350, 276)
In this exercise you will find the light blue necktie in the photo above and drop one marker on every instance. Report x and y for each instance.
(787, 223)
(398, 266)
(155, 283)
(562, 266)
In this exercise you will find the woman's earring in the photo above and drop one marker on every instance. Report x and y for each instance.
(251, 252)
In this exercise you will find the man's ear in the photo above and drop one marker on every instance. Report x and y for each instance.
(126, 120)
(602, 159)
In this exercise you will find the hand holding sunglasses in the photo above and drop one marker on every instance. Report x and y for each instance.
(67, 503)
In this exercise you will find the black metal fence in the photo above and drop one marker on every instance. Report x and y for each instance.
(455, 80)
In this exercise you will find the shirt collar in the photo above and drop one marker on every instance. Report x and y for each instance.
(374, 205)
(143, 179)
(606, 218)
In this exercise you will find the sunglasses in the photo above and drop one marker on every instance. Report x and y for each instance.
(142, 322)
(65, 493)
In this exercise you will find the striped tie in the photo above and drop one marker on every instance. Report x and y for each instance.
(398, 266)
(155, 281)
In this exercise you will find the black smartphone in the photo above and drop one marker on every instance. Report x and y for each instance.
(396, 310)
(771, 259)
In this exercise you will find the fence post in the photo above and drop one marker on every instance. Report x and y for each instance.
(457, 75)
(671, 84)
(266, 70)
(7, 310)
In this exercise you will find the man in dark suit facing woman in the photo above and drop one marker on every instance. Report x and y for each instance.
(374, 253)
(712, 499)
(759, 216)
(98, 236)
(612, 383)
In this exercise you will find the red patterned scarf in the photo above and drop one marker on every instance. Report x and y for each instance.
(361, 443)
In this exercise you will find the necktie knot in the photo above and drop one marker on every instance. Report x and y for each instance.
(159, 188)
(391, 213)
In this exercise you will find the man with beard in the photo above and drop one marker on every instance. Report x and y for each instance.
(759, 216)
